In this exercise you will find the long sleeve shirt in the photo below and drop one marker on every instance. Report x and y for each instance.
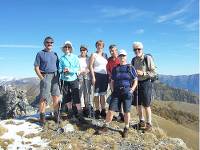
(71, 62)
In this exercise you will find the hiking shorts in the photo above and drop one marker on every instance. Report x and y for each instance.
(118, 100)
(70, 92)
(144, 96)
(101, 84)
(49, 85)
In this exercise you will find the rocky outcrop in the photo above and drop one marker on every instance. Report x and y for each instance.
(13, 103)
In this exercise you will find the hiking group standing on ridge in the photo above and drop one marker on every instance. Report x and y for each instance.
(76, 78)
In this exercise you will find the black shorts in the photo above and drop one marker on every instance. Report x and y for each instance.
(70, 92)
(144, 96)
(101, 84)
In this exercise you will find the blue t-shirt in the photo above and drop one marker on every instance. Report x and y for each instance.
(47, 61)
(123, 75)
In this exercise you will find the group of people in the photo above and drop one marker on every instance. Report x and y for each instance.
(73, 76)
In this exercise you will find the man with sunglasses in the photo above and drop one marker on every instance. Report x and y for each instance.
(143, 96)
(46, 67)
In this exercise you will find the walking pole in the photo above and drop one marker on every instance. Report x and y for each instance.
(59, 129)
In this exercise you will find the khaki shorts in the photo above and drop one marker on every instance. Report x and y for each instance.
(49, 86)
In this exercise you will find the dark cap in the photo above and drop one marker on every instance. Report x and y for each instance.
(83, 46)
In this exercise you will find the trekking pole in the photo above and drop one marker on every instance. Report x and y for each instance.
(59, 129)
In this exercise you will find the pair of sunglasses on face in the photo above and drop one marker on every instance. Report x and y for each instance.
(137, 49)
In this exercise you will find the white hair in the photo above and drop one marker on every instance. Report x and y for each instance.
(138, 44)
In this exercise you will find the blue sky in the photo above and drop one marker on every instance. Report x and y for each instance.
(168, 30)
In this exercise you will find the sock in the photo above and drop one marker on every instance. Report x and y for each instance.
(106, 124)
(126, 126)
(42, 115)
(142, 118)
(149, 121)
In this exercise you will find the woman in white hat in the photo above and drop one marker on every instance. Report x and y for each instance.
(68, 67)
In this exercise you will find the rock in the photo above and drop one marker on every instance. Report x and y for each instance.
(68, 128)
(13, 103)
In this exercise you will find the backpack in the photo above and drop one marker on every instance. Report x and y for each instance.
(128, 70)
(155, 77)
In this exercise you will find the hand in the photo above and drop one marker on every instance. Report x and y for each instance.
(131, 91)
(93, 81)
(65, 70)
(42, 77)
(140, 73)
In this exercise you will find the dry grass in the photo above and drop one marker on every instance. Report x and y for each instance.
(30, 136)
(20, 133)
(5, 142)
(2, 130)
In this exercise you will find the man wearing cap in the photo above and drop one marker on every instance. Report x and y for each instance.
(123, 84)
(145, 70)
(69, 67)
(46, 67)
(84, 80)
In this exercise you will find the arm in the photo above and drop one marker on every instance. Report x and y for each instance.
(91, 68)
(152, 68)
(112, 85)
(38, 72)
(135, 79)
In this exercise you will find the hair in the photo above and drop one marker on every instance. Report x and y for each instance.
(112, 46)
(71, 50)
(48, 38)
(99, 42)
(138, 43)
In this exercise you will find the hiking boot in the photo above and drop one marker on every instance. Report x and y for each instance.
(97, 114)
(56, 117)
(148, 127)
(85, 112)
(121, 117)
(70, 114)
(42, 119)
(103, 113)
(125, 133)
(102, 130)
(142, 125)
(80, 117)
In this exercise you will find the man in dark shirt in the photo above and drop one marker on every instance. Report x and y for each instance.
(46, 67)
(123, 83)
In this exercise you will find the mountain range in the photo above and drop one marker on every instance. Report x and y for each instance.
(186, 82)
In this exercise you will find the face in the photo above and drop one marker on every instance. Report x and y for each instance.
(48, 44)
(83, 52)
(122, 59)
(138, 50)
(113, 52)
(67, 49)
(99, 46)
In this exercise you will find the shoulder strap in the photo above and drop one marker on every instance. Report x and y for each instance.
(133, 61)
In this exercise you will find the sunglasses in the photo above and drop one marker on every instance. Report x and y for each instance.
(67, 47)
(49, 42)
(137, 49)
(83, 50)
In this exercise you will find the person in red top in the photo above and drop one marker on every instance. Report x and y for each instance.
(114, 61)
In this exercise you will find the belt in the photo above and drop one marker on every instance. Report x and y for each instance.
(47, 72)
(144, 80)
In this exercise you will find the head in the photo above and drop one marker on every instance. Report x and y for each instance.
(67, 47)
(99, 45)
(138, 48)
(113, 50)
(122, 56)
(83, 50)
(48, 42)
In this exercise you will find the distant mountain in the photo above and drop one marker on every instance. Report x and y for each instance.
(166, 93)
(187, 82)
(161, 91)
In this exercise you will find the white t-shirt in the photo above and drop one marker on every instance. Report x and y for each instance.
(100, 64)
(84, 64)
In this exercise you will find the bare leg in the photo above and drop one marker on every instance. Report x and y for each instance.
(140, 112)
(96, 101)
(42, 106)
(148, 114)
(109, 116)
(103, 102)
(127, 117)
(69, 105)
(55, 102)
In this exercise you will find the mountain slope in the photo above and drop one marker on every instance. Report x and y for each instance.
(187, 82)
